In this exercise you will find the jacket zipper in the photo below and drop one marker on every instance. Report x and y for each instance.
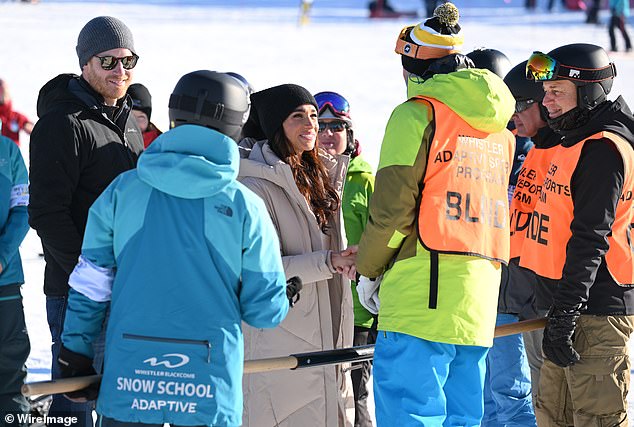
(206, 343)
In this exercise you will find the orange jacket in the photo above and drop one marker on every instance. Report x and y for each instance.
(544, 250)
(464, 201)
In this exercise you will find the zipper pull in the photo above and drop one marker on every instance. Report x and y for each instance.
(208, 351)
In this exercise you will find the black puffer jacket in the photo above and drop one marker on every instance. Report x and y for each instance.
(596, 186)
(78, 146)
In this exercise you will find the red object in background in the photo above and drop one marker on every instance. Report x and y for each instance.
(576, 5)
(11, 122)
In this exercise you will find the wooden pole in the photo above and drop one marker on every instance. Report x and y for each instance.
(295, 361)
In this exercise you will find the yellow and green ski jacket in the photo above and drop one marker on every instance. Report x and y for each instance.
(467, 285)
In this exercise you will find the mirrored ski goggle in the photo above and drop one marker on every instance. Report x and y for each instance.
(333, 126)
(337, 103)
(541, 67)
(523, 105)
(108, 62)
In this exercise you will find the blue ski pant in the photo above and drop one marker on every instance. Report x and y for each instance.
(507, 387)
(424, 383)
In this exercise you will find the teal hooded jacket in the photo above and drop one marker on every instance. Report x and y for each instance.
(182, 253)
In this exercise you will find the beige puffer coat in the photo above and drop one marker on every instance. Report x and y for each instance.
(321, 320)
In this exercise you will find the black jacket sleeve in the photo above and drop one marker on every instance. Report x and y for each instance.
(596, 186)
(54, 175)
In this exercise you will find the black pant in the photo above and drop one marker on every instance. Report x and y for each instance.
(14, 350)
(361, 377)
(619, 22)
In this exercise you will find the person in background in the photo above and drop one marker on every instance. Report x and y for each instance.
(530, 121)
(14, 340)
(620, 10)
(580, 239)
(205, 254)
(11, 122)
(85, 137)
(336, 137)
(142, 112)
(301, 187)
(507, 386)
(439, 253)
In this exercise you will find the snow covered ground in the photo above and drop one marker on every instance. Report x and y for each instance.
(339, 50)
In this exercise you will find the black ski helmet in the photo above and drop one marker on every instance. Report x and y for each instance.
(492, 60)
(211, 99)
(522, 88)
(243, 80)
(589, 68)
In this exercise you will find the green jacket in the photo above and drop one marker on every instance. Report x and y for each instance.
(355, 204)
(467, 286)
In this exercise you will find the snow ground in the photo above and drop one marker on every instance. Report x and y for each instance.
(339, 50)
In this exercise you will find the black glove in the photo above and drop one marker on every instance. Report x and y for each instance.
(558, 336)
(73, 364)
(293, 286)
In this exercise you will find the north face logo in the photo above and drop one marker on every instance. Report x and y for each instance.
(225, 210)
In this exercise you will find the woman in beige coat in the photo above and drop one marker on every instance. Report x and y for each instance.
(301, 188)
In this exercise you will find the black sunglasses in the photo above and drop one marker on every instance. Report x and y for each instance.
(523, 105)
(333, 126)
(108, 62)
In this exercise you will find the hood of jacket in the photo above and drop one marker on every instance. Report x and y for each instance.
(71, 92)
(190, 161)
(259, 161)
(612, 116)
(479, 97)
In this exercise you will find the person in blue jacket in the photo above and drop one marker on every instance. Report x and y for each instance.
(14, 341)
(182, 254)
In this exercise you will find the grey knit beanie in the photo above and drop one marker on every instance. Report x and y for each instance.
(101, 34)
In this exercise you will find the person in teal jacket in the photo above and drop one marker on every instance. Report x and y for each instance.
(336, 136)
(620, 12)
(182, 254)
(14, 341)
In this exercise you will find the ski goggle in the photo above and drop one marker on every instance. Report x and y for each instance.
(108, 62)
(337, 103)
(333, 126)
(523, 105)
(541, 67)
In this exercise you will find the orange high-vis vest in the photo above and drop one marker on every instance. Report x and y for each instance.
(527, 190)
(464, 202)
(544, 249)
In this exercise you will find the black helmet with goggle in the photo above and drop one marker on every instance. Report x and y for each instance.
(586, 65)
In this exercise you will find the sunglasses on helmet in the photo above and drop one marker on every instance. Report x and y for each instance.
(333, 126)
(337, 103)
(523, 105)
(108, 62)
(542, 67)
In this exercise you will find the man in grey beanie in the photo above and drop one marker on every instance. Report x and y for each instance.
(84, 138)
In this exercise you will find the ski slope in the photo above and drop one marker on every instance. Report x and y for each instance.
(339, 50)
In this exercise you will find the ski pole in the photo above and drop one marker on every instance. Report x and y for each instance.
(294, 361)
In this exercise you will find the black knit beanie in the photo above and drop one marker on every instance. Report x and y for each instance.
(141, 99)
(275, 104)
(101, 34)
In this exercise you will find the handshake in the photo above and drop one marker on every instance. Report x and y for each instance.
(367, 289)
